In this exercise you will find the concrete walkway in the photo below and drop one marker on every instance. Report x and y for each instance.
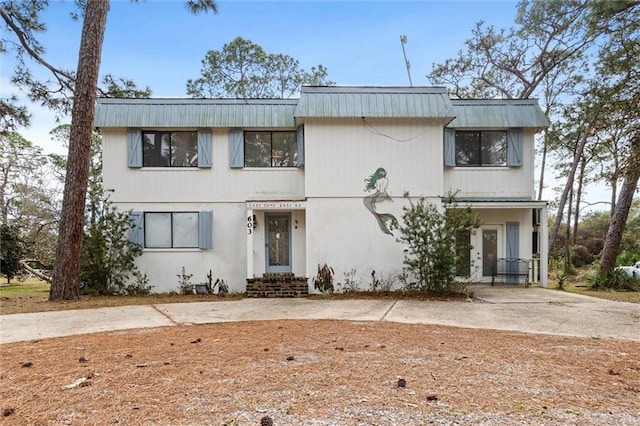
(533, 310)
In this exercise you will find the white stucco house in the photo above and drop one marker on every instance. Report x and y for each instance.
(261, 192)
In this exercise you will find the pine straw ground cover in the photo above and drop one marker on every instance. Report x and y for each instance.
(319, 373)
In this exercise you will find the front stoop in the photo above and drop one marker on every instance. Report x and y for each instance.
(277, 285)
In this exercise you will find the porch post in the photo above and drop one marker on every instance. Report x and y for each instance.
(250, 231)
(544, 247)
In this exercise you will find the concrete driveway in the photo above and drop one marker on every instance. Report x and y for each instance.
(515, 308)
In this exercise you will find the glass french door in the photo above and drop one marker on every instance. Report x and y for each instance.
(278, 242)
(489, 251)
(487, 248)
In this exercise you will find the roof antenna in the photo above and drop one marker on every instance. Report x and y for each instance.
(403, 41)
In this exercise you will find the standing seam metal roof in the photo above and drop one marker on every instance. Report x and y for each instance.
(320, 102)
(374, 102)
(271, 113)
(498, 113)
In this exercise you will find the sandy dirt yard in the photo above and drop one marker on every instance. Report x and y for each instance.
(319, 373)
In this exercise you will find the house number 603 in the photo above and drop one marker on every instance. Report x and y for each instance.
(249, 224)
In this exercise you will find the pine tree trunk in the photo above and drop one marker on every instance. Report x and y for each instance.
(576, 216)
(620, 215)
(65, 278)
(568, 186)
(614, 196)
(543, 164)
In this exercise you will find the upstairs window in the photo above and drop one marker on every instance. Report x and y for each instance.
(481, 148)
(270, 149)
(170, 149)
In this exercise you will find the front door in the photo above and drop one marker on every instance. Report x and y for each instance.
(278, 242)
(487, 248)
(489, 251)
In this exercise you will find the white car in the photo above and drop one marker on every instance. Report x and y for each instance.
(632, 271)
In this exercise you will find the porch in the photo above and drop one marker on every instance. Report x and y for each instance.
(511, 229)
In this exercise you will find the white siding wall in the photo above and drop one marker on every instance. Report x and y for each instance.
(220, 189)
(226, 259)
(336, 227)
(345, 235)
(219, 183)
(495, 181)
(341, 154)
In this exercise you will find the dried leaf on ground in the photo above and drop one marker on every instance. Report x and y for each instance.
(483, 376)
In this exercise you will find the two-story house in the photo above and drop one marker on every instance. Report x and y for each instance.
(257, 189)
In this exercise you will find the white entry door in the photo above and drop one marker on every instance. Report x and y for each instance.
(487, 248)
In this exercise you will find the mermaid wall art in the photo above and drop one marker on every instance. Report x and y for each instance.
(379, 183)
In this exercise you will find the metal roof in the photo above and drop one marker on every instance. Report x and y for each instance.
(497, 113)
(263, 113)
(374, 102)
(321, 102)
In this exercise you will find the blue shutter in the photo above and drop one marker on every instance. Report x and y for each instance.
(204, 148)
(236, 148)
(300, 142)
(514, 148)
(449, 147)
(134, 147)
(136, 232)
(205, 229)
(513, 250)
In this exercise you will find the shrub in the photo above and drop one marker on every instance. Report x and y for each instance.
(107, 258)
(184, 282)
(627, 258)
(430, 238)
(382, 282)
(11, 251)
(140, 287)
(323, 281)
(615, 280)
(581, 256)
(350, 283)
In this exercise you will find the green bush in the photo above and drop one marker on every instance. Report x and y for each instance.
(580, 256)
(615, 280)
(11, 251)
(627, 258)
(430, 237)
(107, 260)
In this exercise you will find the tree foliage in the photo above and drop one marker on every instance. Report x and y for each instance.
(429, 235)
(108, 257)
(242, 69)
(30, 195)
(11, 251)
(616, 89)
(95, 189)
(515, 63)
(543, 55)
(22, 27)
(594, 226)
(67, 92)
(581, 58)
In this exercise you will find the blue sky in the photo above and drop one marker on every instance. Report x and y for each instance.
(160, 44)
